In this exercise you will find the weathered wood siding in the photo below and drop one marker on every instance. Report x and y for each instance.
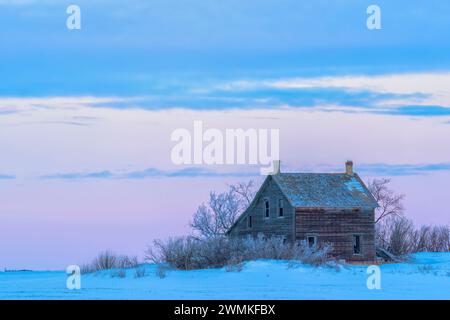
(272, 226)
(338, 227)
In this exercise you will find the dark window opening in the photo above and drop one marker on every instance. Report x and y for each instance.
(249, 221)
(267, 208)
(356, 244)
(280, 208)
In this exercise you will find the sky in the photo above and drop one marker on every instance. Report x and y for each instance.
(86, 115)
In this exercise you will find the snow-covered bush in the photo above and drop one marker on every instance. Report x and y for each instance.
(252, 248)
(234, 265)
(188, 253)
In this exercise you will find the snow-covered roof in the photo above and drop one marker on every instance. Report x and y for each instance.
(336, 190)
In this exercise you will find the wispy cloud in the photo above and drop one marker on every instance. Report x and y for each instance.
(412, 95)
(423, 110)
(6, 177)
(409, 94)
(10, 105)
(377, 169)
(190, 172)
(315, 99)
(384, 169)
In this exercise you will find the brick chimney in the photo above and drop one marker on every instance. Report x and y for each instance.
(349, 167)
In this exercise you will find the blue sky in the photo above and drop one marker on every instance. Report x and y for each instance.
(151, 47)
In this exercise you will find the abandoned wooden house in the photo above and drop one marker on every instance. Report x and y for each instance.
(335, 208)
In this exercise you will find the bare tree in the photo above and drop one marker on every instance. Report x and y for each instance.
(439, 239)
(245, 190)
(218, 215)
(390, 203)
(396, 235)
(422, 237)
(401, 233)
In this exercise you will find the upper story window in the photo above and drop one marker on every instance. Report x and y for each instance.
(266, 208)
(280, 208)
(249, 221)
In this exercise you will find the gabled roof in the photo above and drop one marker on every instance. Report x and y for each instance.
(332, 190)
(318, 190)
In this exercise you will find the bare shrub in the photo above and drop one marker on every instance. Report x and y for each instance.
(178, 252)
(140, 272)
(161, 271)
(234, 265)
(118, 274)
(401, 240)
(107, 260)
(87, 268)
(396, 235)
(399, 236)
(188, 253)
(422, 238)
(425, 268)
(126, 262)
(439, 239)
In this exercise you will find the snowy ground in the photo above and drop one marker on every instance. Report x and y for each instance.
(427, 276)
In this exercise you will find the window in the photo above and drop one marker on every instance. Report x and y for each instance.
(312, 240)
(280, 208)
(266, 208)
(356, 244)
(249, 221)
